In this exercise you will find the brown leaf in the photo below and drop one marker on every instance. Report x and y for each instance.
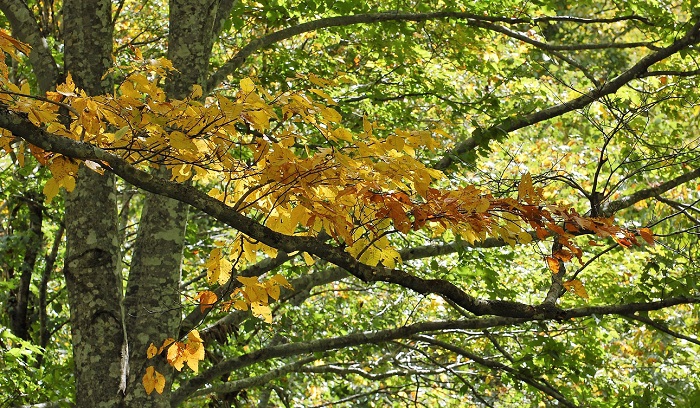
(647, 235)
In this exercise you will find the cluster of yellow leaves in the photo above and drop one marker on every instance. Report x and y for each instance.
(178, 354)
(256, 294)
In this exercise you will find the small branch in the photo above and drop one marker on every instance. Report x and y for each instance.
(470, 19)
(670, 73)
(661, 327)
(494, 365)
(249, 382)
(614, 206)
(511, 124)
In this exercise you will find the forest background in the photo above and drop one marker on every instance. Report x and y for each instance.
(339, 203)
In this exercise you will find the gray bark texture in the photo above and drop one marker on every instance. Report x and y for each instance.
(93, 256)
(155, 269)
(158, 250)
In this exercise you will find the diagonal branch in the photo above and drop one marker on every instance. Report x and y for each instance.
(662, 327)
(495, 365)
(614, 206)
(474, 20)
(23, 128)
(383, 336)
(511, 124)
(250, 382)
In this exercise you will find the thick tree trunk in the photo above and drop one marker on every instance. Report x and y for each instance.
(94, 283)
(155, 268)
(92, 266)
(158, 250)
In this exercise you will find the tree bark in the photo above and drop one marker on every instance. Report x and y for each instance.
(92, 266)
(155, 268)
(159, 243)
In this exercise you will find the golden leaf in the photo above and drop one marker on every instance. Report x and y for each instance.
(166, 343)
(207, 299)
(308, 259)
(196, 92)
(553, 264)
(152, 351)
(282, 281)
(525, 189)
(50, 189)
(262, 311)
(273, 291)
(247, 85)
(153, 380)
(240, 305)
(577, 288)
(180, 140)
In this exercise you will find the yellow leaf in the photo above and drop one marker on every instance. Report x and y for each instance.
(367, 126)
(194, 336)
(248, 281)
(577, 287)
(167, 342)
(196, 92)
(525, 189)
(273, 291)
(180, 140)
(324, 95)
(262, 311)
(247, 85)
(318, 81)
(524, 237)
(282, 281)
(176, 355)
(331, 115)
(218, 267)
(68, 183)
(240, 305)
(153, 380)
(193, 363)
(152, 351)
(482, 206)
(342, 134)
(308, 259)
(50, 189)
(16, 45)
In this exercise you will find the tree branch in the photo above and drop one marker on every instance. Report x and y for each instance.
(614, 206)
(249, 382)
(23, 128)
(511, 124)
(382, 336)
(662, 327)
(495, 365)
(470, 19)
